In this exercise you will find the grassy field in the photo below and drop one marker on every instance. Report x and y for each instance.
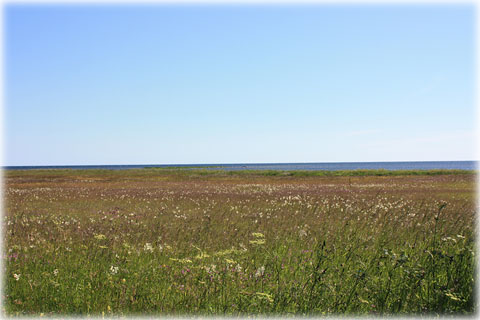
(150, 241)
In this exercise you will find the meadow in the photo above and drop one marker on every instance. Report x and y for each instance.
(210, 242)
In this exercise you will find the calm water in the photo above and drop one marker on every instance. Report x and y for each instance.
(330, 166)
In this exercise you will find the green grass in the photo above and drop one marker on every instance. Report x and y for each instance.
(348, 173)
(97, 242)
(182, 167)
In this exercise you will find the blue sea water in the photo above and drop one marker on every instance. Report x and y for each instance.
(329, 166)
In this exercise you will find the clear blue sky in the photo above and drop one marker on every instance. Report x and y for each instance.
(171, 84)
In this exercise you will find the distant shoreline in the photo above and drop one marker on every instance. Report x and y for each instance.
(309, 166)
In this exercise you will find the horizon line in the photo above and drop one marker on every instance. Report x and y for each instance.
(238, 163)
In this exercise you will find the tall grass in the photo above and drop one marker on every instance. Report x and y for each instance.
(100, 243)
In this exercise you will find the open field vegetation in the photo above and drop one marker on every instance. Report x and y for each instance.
(210, 242)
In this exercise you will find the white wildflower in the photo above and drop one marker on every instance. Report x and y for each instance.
(16, 276)
(113, 270)
(212, 268)
(260, 272)
(148, 247)
(55, 272)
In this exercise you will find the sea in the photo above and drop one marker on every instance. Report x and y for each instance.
(327, 166)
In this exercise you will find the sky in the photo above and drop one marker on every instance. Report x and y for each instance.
(191, 84)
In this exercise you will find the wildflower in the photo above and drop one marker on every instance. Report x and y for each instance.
(227, 252)
(55, 272)
(260, 272)
(212, 268)
(13, 256)
(16, 276)
(238, 268)
(264, 295)
(182, 260)
(148, 247)
(113, 270)
(449, 238)
(201, 255)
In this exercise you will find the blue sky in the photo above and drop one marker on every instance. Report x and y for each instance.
(165, 84)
